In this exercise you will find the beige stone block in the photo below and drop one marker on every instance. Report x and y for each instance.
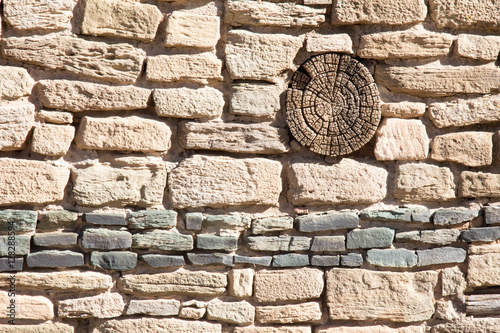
(55, 117)
(423, 182)
(121, 19)
(41, 182)
(318, 2)
(273, 329)
(192, 313)
(123, 133)
(438, 81)
(470, 14)
(288, 285)
(202, 103)
(255, 100)
(358, 294)
(39, 14)
(346, 182)
(218, 181)
(479, 184)
(401, 139)
(154, 307)
(241, 282)
(85, 96)
(119, 63)
(252, 56)
(52, 140)
(106, 305)
(378, 12)
(445, 311)
(233, 137)
(452, 281)
(484, 270)
(287, 14)
(192, 67)
(469, 325)
(287, 314)
(26, 307)
(60, 281)
(372, 329)
(484, 48)
(403, 110)
(37, 328)
(156, 325)
(16, 82)
(241, 313)
(472, 149)
(192, 30)
(180, 282)
(16, 121)
(329, 43)
(124, 181)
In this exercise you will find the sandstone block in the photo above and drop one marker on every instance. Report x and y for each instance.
(192, 313)
(106, 305)
(473, 14)
(156, 325)
(26, 307)
(192, 30)
(478, 184)
(16, 81)
(472, 149)
(372, 329)
(154, 307)
(391, 258)
(469, 325)
(199, 68)
(346, 182)
(38, 328)
(484, 48)
(288, 314)
(210, 181)
(55, 117)
(269, 224)
(484, 269)
(354, 294)
(232, 137)
(423, 182)
(119, 63)
(241, 313)
(52, 140)
(121, 19)
(16, 122)
(439, 236)
(329, 43)
(273, 329)
(189, 103)
(38, 14)
(403, 109)
(288, 284)
(452, 281)
(318, 2)
(85, 96)
(255, 100)
(241, 282)
(165, 240)
(251, 56)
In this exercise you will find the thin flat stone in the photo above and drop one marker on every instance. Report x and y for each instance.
(443, 255)
(160, 260)
(331, 221)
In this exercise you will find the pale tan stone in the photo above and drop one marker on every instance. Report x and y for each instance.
(121, 19)
(218, 181)
(346, 182)
(192, 30)
(123, 133)
(255, 100)
(61, 281)
(318, 2)
(423, 182)
(452, 281)
(40, 183)
(484, 249)
(401, 139)
(120, 63)
(193, 67)
(288, 284)
(26, 307)
(233, 137)
(329, 43)
(445, 311)
(52, 140)
(478, 47)
(124, 181)
(154, 307)
(156, 325)
(39, 14)
(252, 56)
(202, 103)
(106, 305)
(378, 12)
(287, 14)
(180, 282)
(273, 329)
(55, 117)
(85, 96)
(15, 82)
(438, 81)
(241, 313)
(358, 294)
(469, 325)
(472, 149)
(403, 109)
(287, 314)
(471, 14)
(192, 313)
(16, 121)
(373, 329)
(479, 184)
(37, 328)
(241, 282)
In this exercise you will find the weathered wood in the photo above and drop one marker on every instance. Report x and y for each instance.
(481, 305)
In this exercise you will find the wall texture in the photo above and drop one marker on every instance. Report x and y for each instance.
(149, 181)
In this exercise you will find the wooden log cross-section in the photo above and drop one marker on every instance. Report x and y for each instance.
(483, 305)
(332, 104)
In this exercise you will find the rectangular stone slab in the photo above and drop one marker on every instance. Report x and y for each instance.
(155, 325)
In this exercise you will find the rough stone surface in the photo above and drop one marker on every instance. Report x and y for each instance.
(288, 284)
(241, 282)
(160, 260)
(18, 220)
(290, 260)
(484, 48)
(270, 224)
(193, 221)
(325, 261)
(330, 221)
(423, 182)
(370, 238)
(106, 239)
(273, 329)
(473, 14)
(105, 219)
(152, 219)
(38, 328)
(261, 261)
(208, 259)
(38, 14)
(484, 268)
(213, 242)
(328, 244)
(192, 30)
(118, 260)
(26, 307)
(346, 182)
(154, 307)
(16, 122)
(255, 100)
(55, 117)
(439, 236)
(469, 325)
(52, 140)
(391, 258)
(54, 258)
(472, 149)
(106, 305)
(443, 255)
(395, 215)
(119, 63)
(223, 181)
(278, 243)
(55, 239)
(199, 67)
(164, 240)
(492, 214)
(16, 81)
(251, 56)
(452, 281)
(202, 103)
(156, 325)
(478, 184)
(241, 313)
(329, 43)
(356, 294)
(372, 329)
(444, 217)
(287, 314)
(9, 265)
(481, 234)
(403, 109)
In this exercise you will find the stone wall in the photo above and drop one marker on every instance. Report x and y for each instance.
(150, 183)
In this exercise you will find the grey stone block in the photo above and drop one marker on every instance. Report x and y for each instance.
(271, 243)
(290, 260)
(161, 260)
(408, 236)
(213, 242)
(331, 221)
(206, 259)
(421, 214)
(391, 258)
(227, 221)
(165, 240)
(105, 239)
(19, 243)
(194, 221)
(351, 260)
(370, 238)
(328, 244)
(442, 255)
(117, 260)
(54, 258)
(11, 264)
(18, 220)
(299, 243)
(395, 215)
(492, 214)
(144, 219)
(325, 261)
(61, 219)
(261, 261)
(439, 236)
(56, 239)
(481, 234)
(105, 219)
(272, 224)
(443, 217)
